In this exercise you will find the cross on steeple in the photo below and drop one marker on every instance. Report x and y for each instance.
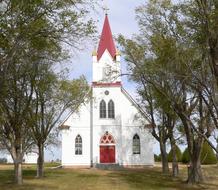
(105, 7)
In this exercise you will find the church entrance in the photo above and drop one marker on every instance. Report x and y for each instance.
(107, 154)
(107, 149)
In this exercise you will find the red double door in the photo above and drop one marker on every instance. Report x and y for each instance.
(107, 154)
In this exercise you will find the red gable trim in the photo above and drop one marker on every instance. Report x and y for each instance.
(116, 84)
(106, 40)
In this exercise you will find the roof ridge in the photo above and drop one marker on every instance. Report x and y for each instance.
(136, 104)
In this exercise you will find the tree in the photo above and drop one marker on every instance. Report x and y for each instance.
(178, 154)
(15, 135)
(52, 98)
(156, 106)
(185, 156)
(207, 155)
(164, 39)
(206, 13)
(33, 32)
(201, 18)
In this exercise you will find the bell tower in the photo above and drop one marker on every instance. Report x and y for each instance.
(106, 60)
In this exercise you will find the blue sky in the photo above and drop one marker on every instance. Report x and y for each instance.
(122, 21)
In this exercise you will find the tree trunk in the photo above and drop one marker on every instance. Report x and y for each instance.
(175, 167)
(40, 161)
(18, 172)
(195, 172)
(217, 150)
(17, 156)
(194, 169)
(164, 159)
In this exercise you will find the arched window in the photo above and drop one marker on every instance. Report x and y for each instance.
(78, 145)
(111, 109)
(102, 109)
(136, 144)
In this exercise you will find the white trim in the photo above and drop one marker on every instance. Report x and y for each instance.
(106, 50)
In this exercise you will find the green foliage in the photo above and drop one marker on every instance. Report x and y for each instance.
(185, 156)
(157, 158)
(207, 155)
(3, 160)
(178, 155)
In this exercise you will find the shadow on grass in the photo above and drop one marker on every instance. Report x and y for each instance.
(87, 176)
(152, 179)
(6, 176)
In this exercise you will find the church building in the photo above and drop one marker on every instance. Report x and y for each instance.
(109, 128)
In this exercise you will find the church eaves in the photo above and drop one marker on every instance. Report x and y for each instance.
(106, 40)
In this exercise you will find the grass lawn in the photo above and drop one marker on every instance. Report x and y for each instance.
(93, 179)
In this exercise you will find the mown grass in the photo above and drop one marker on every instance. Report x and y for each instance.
(93, 179)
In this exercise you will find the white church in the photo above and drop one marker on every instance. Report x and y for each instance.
(110, 128)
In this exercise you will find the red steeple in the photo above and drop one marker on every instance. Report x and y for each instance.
(106, 40)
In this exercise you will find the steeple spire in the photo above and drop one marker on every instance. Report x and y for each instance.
(106, 40)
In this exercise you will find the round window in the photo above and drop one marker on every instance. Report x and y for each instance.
(106, 92)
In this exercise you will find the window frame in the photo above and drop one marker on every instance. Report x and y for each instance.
(102, 109)
(136, 145)
(111, 109)
(78, 145)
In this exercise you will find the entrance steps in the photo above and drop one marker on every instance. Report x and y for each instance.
(108, 166)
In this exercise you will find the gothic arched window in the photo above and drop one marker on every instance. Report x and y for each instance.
(107, 139)
(78, 145)
(136, 144)
(102, 109)
(111, 109)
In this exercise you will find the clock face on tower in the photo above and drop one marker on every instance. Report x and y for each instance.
(106, 73)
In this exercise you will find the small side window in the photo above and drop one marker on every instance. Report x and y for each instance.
(136, 144)
(78, 145)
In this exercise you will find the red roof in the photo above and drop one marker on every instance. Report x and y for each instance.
(106, 40)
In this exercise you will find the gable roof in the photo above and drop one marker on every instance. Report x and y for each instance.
(62, 126)
(137, 106)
